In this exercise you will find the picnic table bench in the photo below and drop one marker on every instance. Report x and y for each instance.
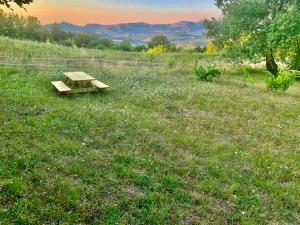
(296, 71)
(76, 82)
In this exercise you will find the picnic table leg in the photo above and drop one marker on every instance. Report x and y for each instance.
(70, 82)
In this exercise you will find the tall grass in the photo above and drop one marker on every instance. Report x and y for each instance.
(30, 49)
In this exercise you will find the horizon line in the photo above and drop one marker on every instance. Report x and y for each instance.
(120, 23)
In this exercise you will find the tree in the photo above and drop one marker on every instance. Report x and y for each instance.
(251, 29)
(32, 29)
(159, 40)
(105, 43)
(20, 3)
(139, 48)
(86, 40)
(57, 34)
(125, 45)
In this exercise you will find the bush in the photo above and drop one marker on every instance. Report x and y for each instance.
(282, 82)
(211, 48)
(157, 49)
(208, 73)
(67, 42)
(139, 48)
(159, 40)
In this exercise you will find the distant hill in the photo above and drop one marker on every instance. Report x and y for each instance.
(139, 33)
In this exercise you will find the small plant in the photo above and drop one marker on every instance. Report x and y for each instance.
(211, 48)
(208, 73)
(171, 63)
(245, 76)
(282, 82)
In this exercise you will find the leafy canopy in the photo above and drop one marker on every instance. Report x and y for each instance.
(257, 28)
(159, 40)
(20, 3)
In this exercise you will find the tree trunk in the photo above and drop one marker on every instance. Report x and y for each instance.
(271, 64)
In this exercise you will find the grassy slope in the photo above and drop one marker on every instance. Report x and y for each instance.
(156, 149)
(9, 47)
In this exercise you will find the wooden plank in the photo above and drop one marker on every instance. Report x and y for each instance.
(81, 90)
(99, 85)
(297, 71)
(297, 74)
(79, 76)
(61, 86)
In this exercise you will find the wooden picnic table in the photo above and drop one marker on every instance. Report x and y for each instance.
(78, 76)
(78, 82)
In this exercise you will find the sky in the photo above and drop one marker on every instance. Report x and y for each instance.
(120, 11)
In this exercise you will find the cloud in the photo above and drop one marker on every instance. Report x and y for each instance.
(116, 11)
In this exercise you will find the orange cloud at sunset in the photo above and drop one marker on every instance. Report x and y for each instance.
(49, 12)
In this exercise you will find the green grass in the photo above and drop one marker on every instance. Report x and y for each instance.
(18, 48)
(157, 148)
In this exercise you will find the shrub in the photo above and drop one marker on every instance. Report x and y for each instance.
(67, 42)
(208, 73)
(12, 189)
(282, 82)
(159, 40)
(157, 49)
(139, 48)
(211, 48)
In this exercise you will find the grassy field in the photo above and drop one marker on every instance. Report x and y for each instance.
(159, 147)
(17, 48)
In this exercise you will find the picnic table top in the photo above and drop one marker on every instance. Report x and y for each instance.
(79, 76)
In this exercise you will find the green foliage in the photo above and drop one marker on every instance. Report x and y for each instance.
(159, 40)
(29, 28)
(169, 183)
(125, 45)
(8, 71)
(11, 189)
(208, 73)
(67, 42)
(252, 29)
(86, 40)
(56, 34)
(139, 48)
(105, 43)
(295, 62)
(200, 49)
(15, 26)
(282, 82)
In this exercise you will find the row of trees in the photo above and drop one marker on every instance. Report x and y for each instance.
(255, 29)
(15, 26)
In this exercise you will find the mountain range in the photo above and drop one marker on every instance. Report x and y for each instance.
(139, 33)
